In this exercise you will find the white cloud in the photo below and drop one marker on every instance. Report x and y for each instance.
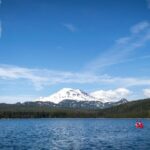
(13, 72)
(112, 95)
(140, 35)
(18, 98)
(123, 49)
(123, 40)
(43, 77)
(140, 27)
(129, 81)
(70, 27)
(146, 93)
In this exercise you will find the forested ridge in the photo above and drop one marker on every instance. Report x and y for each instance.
(134, 109)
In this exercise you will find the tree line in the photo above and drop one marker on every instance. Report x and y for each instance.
(134, 109)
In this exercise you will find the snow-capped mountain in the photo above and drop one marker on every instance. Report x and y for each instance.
(68, 94)
(75, 98)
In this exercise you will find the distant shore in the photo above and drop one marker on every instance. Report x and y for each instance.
(134, 109)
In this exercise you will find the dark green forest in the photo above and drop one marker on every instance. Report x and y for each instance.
(134, 109)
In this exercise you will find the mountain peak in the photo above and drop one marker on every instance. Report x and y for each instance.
(66, 89)
(79, 95)
(68, 94)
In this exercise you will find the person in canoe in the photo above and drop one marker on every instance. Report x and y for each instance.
(139, 124)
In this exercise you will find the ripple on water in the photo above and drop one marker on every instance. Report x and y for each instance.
(73, 134)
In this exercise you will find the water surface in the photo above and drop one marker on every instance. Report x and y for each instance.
(73, 134)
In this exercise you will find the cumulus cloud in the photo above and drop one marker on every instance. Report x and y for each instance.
(112, 95)
(146, 93)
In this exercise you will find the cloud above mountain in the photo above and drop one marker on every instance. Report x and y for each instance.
(111, 95)
(43, 77)
(146, 93)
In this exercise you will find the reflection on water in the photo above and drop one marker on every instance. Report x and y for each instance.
(73, 134)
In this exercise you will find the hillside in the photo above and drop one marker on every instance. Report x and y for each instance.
(134, 109)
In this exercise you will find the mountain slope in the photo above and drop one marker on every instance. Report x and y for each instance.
(134, 109)
(68, 94)
(81, 104)
(79, 95)
(75, 98)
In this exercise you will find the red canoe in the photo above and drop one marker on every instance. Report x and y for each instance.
(139, 125)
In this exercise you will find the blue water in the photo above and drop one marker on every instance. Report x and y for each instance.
(73, 134)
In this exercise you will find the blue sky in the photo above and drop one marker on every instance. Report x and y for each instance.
(46, 45)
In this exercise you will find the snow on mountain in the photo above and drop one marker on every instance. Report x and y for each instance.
(110, 95)
(68, 93)
(78, 95)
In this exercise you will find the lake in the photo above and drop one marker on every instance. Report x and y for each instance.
(73, 134)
